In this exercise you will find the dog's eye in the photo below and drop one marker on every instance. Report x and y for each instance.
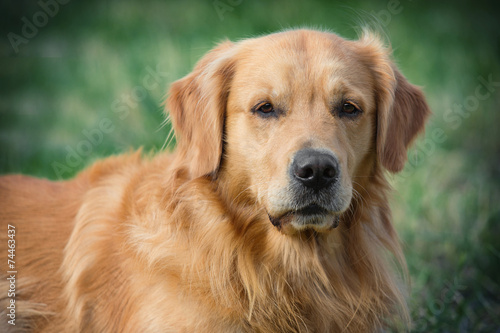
(266, 108)
(349, 109)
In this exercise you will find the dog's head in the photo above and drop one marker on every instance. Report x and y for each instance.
(294, 120)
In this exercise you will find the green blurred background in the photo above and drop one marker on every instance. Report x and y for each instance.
(83, 80)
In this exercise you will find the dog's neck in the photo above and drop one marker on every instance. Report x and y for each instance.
(271, 268)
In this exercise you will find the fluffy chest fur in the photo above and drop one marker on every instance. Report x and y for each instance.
(190, 260)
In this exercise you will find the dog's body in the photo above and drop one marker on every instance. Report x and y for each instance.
(271, 215)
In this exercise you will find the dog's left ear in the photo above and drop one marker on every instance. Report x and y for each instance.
(401, 107)
(197, 105)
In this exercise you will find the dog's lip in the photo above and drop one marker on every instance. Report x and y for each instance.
(310, 210)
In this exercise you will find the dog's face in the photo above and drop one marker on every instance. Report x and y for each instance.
(300, 123)
(305, 115)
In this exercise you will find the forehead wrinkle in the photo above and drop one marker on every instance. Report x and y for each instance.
(302, 68)
(324, 69)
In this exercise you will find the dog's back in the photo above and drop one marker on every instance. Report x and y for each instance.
(41, 213)
(42, 216)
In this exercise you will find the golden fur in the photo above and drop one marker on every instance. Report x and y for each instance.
(183, 242)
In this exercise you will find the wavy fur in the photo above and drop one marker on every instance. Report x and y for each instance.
(181, 242)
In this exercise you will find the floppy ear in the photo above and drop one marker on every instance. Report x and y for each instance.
(399, 124)
(401, 106)
(197, 105)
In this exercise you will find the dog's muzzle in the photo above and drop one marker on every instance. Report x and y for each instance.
(314, 187)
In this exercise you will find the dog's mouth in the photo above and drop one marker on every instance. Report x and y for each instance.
(311, 210)
(312, 216)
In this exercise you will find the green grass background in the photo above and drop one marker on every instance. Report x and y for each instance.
(90, 60)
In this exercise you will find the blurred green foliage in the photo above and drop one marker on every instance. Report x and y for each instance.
(89, 82)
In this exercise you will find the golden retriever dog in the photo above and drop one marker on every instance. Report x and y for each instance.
(271, 215)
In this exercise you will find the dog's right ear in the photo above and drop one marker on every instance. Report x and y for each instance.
(401, 107)
(197, 105)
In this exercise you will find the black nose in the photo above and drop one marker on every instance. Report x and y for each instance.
(315, 169)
